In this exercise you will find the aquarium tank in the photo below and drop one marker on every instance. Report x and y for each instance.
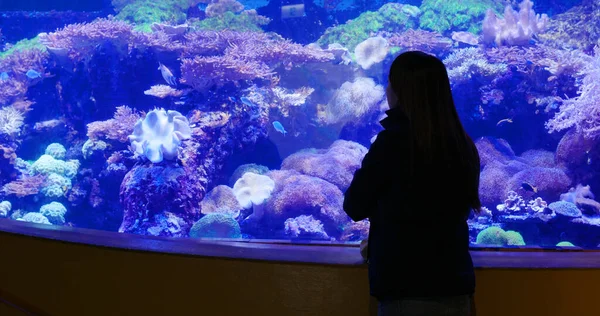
(246, 120)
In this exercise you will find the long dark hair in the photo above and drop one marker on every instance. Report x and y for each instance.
(420, 82)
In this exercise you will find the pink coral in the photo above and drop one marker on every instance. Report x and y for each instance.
(517, 28)
(220, 57)
(336, 164)
(78, 40)
(117, 128)
(24, 186)
(431, 42)
(202, 72)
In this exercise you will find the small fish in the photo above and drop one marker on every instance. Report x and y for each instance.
(232, 99)
(529, 187)
(4, 76)
(32, 74)
(247, 102)
(179, 102)
(167, 75)
(506, 120)
(278, 127)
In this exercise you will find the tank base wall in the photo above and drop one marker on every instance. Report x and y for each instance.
(48, 277)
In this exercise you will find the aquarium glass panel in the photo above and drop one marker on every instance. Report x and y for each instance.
(246, 120)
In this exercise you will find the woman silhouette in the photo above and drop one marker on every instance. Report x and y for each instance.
(417, 185)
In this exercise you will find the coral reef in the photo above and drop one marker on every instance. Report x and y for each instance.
(583, 197)
(36, 218)
(356, 231)
(159, 135)
(305, 227)
(5, 207)
(221, 199)
(252, 190)
(353, 100)
(219, 7)
(54, 212)
(565, 244)
(56, 151)
(565, 209)
(443, 16)
(159, 200)
(336, 164)
(11, 121)
(465, 63)
(371, 51)
(583, 111)
(24, 186)
(241, 170)
(427, 41)
(216, 225)
(493, 236)
(162, 91)
(516, 28)
(117, 128)
(296, 194)
(514, 238)
(246, 21)
(390, 17)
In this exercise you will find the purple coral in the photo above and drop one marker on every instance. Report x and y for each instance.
(494, 149)
(159, 200)
(305, 227)
(296, 194)
(336, 164)
(550, 182)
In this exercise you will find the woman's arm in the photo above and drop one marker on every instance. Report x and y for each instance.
(361, 197)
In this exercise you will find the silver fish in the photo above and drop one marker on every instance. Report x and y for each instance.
(167, 75)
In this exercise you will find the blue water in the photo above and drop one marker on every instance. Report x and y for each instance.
(264, 109)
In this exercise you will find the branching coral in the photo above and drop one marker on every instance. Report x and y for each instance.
(78, 40)
(517, 28)
(117, 128)
(431, 42)
(466, 63)
(24, 186)
(582, 111)
(234, 56)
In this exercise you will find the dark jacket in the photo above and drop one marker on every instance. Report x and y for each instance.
(419, 238)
